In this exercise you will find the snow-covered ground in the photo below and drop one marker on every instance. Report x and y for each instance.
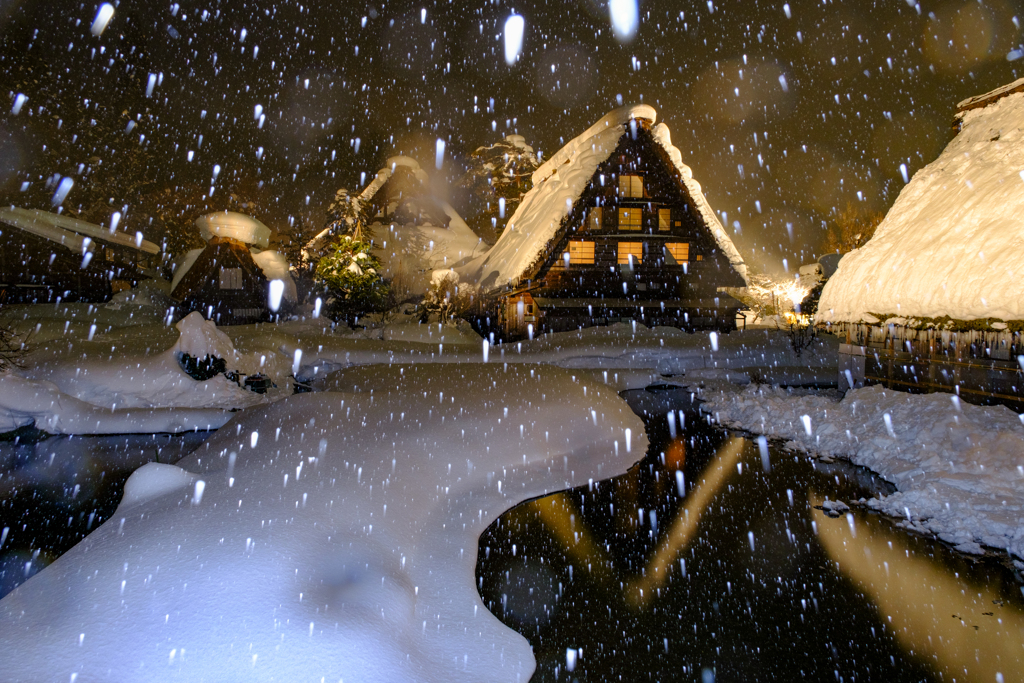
(958, 468)
(121, 359)
(326, 536)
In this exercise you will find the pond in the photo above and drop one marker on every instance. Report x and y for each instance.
(710, 560)
(741, 578)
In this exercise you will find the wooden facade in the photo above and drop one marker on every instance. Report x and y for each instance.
(36, 270)
(225, 285)
(980, 366)
(633, 247)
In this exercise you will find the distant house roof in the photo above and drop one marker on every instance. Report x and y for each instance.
(72, 233)
(952, 244)
(236, 226)
(559, 183)
(979, 101)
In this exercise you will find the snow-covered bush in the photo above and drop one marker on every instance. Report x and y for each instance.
(446, 298)
(350, 274)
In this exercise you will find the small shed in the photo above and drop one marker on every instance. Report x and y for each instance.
(229, 280)
(934, 301)
(614, 229)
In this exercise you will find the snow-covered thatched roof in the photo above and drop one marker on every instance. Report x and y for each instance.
(953, 243)
(235, 226)
(558, 185)
(77, 235)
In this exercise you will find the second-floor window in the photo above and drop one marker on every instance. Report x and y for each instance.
(664, 220)
(581, 253)
(631, 185)
(677, 252)
(629, 219)
(230, 278)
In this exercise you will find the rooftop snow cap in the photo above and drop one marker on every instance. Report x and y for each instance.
(235, 226)
(558, 184)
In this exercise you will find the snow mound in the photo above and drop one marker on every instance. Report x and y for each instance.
(327, 536)
(951, 245)
(137, 380)
(200, 337)
(958, 468)
(24, 402)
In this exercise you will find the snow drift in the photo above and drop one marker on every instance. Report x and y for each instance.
(329, 536)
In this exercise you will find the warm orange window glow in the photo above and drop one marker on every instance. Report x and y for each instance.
(664, 219)
(678, 251)
(631, 186)
(581, 253)
(629, 219)
(634, 249)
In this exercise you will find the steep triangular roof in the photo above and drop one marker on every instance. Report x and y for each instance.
(952, 244)
(558, 185)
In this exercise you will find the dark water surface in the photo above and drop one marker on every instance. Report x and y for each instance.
(54, 491)
(742, 579)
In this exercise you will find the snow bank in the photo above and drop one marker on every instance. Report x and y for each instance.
(951, 245)
(958, 468)
(329, 536)
(81, 384)
(24, 402)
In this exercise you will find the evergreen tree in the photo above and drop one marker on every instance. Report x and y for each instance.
(350, 276)
(498, 178)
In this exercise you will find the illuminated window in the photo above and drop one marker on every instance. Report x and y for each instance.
(677, 252)
(230, 278)
(664, 219)
(581, 253)
(594, 219)
(631, 249)
(631, 186)
(629, 219)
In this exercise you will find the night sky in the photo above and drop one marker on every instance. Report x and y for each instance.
(786, 112)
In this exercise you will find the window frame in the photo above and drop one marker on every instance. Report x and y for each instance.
(578, 257)
(623, 258)
(630, 226)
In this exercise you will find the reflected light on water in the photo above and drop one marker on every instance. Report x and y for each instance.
(684, 527)
(970, 632)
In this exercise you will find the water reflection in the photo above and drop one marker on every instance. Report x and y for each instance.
(54, 491)
(737, 579)
(970, 630)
